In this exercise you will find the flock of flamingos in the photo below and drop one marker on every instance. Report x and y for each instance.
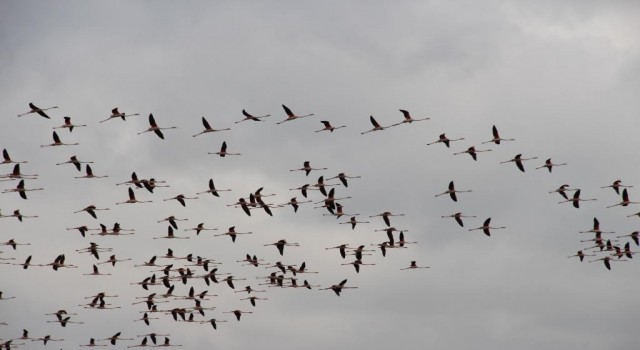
(157, 298)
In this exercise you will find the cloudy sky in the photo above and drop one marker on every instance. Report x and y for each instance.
(560, 78)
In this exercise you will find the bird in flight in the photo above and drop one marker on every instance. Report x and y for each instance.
(208, 128)
(291, 115)
(40, 111)
(248, 116)
(155, 128)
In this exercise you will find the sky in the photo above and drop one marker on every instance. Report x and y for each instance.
(561, 78)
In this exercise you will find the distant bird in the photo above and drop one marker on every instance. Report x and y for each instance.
(115, 338)
(353, 222)
(458, 217)
(413, 266)
(295, 204)
(486, 227)
(89, 174)
(385, 217)
(337, 288)
(212, 189)
(562, 191)
(329, 127)
(343, 178)
(96, 272)
(607, 261)
(444, 139)
(22, 191)
(596, 228)
(281, 244)
(496, 137)
(376, 126)
(200, 228)
(223, 151)
(132, 198)
(155, 128)
(616, 186)
(580, 255)
(180, 198)
(291, 116)
(35, 109)
(173, 221)
(16, 174)
(549, 165)
(576, 199)
(635, 235)
(356, 264)
(306, 167)
(208, 128)
(238, 313)
(518, 160)
(452, 192)
(625, 200)
(7, 159)
(116, 114)
(232, 233)
(407, 118)
(248, 116)
(91, 210)
(74, 160)
(472, 151)
(67, 124)
(57, 142)
(170, 235)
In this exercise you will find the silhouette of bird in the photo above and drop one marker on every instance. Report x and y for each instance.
(212, 189)
(617, 185)
(291, 116)
(208, 128)
(472, 151)
(35, 109)
(452, 192)
(496, 137)
(223, 151)
(116, 114)
(67, 124)
(329, 127)
(74, 160)
(337, 288)
(625, 200)
(518, 160)
(376, 126)
(486, 227)
(576, 199)
(155, 128)
(407, 118)
(248, 116)
(444, 139)
(549, 165)
(57, 142)
(7, 159)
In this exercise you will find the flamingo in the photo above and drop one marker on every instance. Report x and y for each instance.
(496, 137)
(173, 221)
(22, 190)
(356, 264)
(7, 159)
(472, 151)
(116, 114)
(115, 338)
(385, 217)
(616, 186)
(306, 167)
(295, 204)
(18, 215)
(329, 127)
(607, 261)
(112, 260)
(562, 191)
(89, 174)
(376, 126)
(635, 235)
(248, 116)
(134, 181)
(444, 139)
(132, 198)
(180, 198)
(452, 192)
(91, 210)
(208, 128)
(35, 109)
(339, 213)
(281, 244)
(170, 235)
(155, 128)
(92, 343)
(576, 199)
(485, 227)
(625, 200)
(57, 142)
(343, 178)
(13, 244)
(199, 228)
(596, 228)
(353, 222)
(46, 338)
(212, 189)
(291, 116)
(16, 174)
(238, 313)
(74, 160)
(407, 118)
(96, 272)
(458, 217)
(67, 124)
(518, 160)
(337, 288)
(223, 151)
(580, 255)
(232, 233)
(548, 164)
(413, 266)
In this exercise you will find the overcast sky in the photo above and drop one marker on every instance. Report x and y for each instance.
(560, 78)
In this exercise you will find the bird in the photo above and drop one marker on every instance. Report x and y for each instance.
(444, 139)
(57, 142)
(96, 272)
(329, 127)
(413, 266)
(356, 264)
(6, 159)
(74, 160)
(200, 228)
(67, 124)
(223, 151)
(173, 221)
(89, 174)
(385, 217)
(16, 214)
(580, 255)
(376, 126)
(238, 313)
(116, 114)
(291, 116)
(208, 128)
(155, 128)
(616, 186)
(486, 226)
(212, 189)
(248, 116)
(16, 174)
(472, 151)
(576, 199)
(170, 234)
(91, 210)
(635, 236)
(549, 165)
(232, 233)
(496, 137)
(607, 261)
(337, 288)
(518, 160)
(22, 191)
(596, 228)
(281, 244)
(306, 167)
(407, 118)
(343, 178)
(115, 338)
(562, 191)
(353, 222)
(458, 217)
(295, 204)
(452, 192)
(40, 111)
(180, 198)
(625, 200)
(132, 198)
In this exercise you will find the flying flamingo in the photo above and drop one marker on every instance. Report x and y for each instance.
(337, 288)
(485, 227)
(223, 151)
(199, 228)
(96, 272)
(35, 109)
(607, 261)
(452, 192)
(306, 167)
(616, 186)
(132, 198)
(408, 118)
(212, 189)
(180, 198)
(343, 178)
(173, 221)
(413, 266)
(291, 116)
(91, 210)
(353, 222)
(576, 199)
(16, 174)
(7, 159)
(238, 313)
(562, 191)
(281, 244)
(329, 127)
(596, 228)
(116, 114)
(376, 126)
(115, 338)
(635, 235)
(89, 174)
(458, 217)
(625, 200)
(208, 128)
(232, 233)
(74, 160)
(57, 142)
(155, 128)
(496, 137)
(472, 152)
(385, 217)
(295, 204)
(22, 190)
(444, 139)
(548, 164)
(67, 124)
(170, 235)
(248, 116)
(112, 260)
(518, 160)
(580, 255)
